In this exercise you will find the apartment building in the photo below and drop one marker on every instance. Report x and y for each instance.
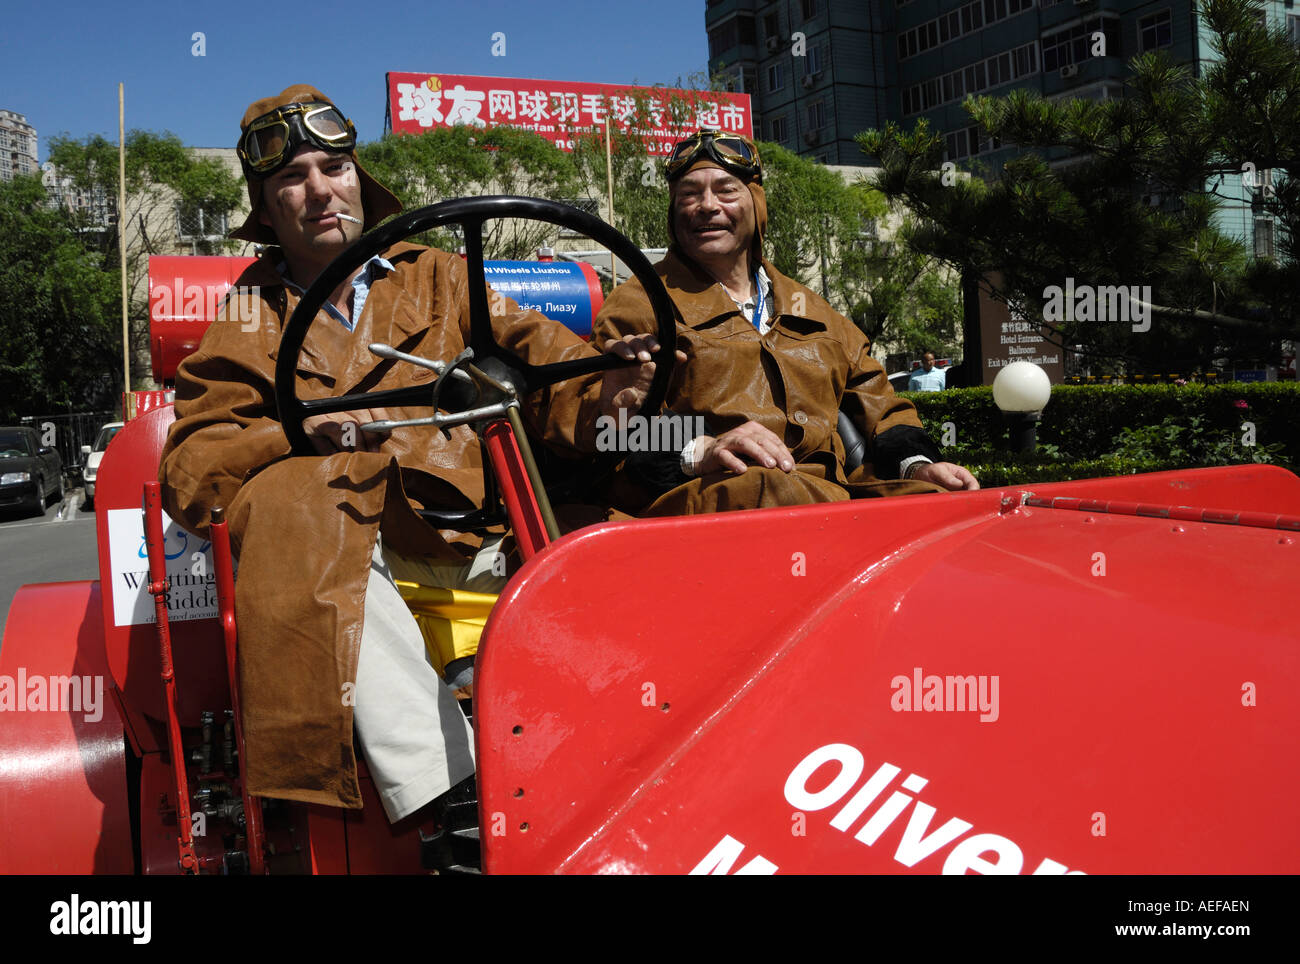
(820, 71)
(17, 145)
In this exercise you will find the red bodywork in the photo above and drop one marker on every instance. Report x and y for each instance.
(184, 294)
(1145, 670)
(752, 692)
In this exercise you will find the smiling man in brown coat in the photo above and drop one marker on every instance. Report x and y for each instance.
(324, 635)
(769, 363)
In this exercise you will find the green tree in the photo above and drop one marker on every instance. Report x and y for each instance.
(1098, 220)
(59, 340)
(161, 173)
(463, 161)
(823, 232)
(640, 190)
(903, 296)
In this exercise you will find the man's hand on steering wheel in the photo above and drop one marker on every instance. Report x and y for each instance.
(626, 388)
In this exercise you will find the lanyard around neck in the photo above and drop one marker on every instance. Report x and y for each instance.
(757, 320)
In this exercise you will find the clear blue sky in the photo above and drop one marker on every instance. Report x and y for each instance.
(60, 64)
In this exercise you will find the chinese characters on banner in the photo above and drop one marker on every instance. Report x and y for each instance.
(558, 110)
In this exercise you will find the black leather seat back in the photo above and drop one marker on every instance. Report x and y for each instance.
(855, 446)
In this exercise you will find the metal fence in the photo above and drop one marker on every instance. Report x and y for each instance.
(68, 433)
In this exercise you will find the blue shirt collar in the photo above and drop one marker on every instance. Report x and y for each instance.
(360, 288)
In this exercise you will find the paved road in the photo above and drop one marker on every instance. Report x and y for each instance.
(58, 547)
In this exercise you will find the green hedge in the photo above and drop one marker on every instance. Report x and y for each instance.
(1096, 430)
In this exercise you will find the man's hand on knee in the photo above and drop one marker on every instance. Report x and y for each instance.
(946, 474)
(750, 441)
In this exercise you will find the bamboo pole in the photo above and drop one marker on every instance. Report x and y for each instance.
(121, 240)
(609, 188)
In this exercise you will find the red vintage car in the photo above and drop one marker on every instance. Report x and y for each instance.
(1083, 677)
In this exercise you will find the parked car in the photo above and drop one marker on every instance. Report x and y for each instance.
(29, 472)
(94, 455)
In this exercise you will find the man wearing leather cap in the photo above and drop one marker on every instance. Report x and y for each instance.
(324, 635)
(769, 363)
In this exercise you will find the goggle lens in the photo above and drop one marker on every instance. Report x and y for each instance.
(266, 145)
(268, 139)
(734, 148)
(327, 123)
(730, 150)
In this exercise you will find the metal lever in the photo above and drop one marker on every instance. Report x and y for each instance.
(388, 351)
(460, 369)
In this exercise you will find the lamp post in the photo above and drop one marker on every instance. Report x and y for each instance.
(1021, 390)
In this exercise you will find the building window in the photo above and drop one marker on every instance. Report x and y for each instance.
(735, 32)
(196, 223)
(953, 24)
(1073, 45)
(968, 142)
(723, 37)
(779, 132)
(809, 9)
(817, 115)
(1264, 238)
(812, 62)
(1293, 28)
(747, 33)
(740, 81)
(1155, 31)
(775, 78)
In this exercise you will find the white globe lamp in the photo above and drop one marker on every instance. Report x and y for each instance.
(1022, 390)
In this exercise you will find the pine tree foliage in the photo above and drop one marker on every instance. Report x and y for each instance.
(1125, 191)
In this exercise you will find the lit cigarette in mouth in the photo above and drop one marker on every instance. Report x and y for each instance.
(348, 217)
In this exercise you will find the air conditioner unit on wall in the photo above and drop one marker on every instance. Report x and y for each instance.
(1069, 70)
(774, 43)
(813, 136)
(808, 81)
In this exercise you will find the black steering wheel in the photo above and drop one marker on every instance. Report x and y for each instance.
(470, 214)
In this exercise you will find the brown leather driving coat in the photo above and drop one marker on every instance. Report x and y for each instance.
(304, 528)
(793, 380)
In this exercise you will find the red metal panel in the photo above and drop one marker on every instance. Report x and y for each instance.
(63, 802)
(1129, 654)
(594, 290)
(184, 295)
(375, 846)
(200, 664)
(1238, 488)
(516, 488)
(158, 588)
(158, 828)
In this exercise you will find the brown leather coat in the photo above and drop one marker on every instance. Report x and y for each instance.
(793, 381)
(304, 528)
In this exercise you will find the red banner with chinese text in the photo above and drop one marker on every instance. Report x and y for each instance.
(560, 110)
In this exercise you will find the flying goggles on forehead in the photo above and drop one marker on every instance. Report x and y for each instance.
(734, 152)
(272, 139)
